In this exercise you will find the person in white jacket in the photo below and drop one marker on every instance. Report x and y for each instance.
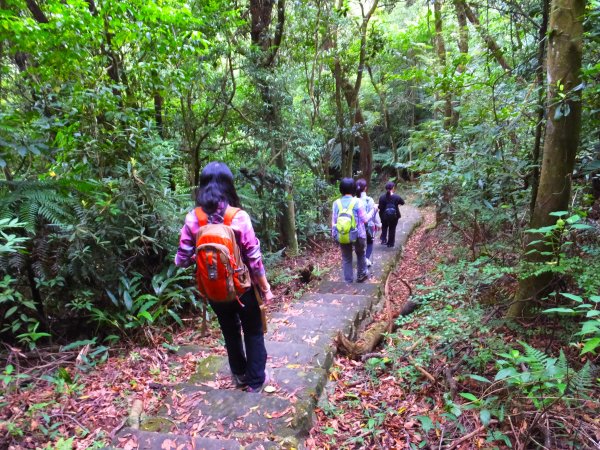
(374, 224)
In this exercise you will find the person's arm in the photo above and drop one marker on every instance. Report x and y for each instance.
(381, 206)
(360, 213)
(334, 216)
(377, 221)
(251, 254)
(399, 202)
(371, 214)
(187, 245)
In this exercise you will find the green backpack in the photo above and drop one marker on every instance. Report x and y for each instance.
(346, 223)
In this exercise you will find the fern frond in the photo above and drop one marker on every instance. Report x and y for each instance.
(562, 366)
(582, 381)
(538, 360)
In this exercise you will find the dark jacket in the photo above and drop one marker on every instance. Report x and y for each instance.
(394, 201)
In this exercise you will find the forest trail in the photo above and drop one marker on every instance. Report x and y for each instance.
(300, 345)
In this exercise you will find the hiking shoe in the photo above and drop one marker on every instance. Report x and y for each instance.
(239, 381)
(259, 389)
(369, 263)
(362, 278)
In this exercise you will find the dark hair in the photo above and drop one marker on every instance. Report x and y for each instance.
(361, 185)
(216, 185)
(347, 186)
(388, 187)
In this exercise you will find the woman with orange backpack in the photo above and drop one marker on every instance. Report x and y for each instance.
(219, 237)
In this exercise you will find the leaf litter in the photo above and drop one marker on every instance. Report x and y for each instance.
(97, 404)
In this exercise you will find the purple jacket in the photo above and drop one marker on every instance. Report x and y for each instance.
(244, 235)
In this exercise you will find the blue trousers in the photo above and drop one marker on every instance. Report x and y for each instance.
(361, 262)
(233, 318)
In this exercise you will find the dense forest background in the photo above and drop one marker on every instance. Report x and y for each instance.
(109, 110)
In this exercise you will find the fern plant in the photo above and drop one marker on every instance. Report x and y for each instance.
(542, 378)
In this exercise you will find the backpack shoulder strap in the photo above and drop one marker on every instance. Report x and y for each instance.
(230, 213)
(201, 216)
(340, 206)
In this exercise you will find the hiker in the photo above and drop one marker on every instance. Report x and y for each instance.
(374, 224)
(236, 305)
(389, 214)
(348, 229)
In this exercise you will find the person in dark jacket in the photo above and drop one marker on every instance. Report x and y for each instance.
(389, 212)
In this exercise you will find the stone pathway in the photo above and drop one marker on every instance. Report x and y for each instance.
(300, 347)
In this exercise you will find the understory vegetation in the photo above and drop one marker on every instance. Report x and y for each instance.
(489, 111)
(455, 368)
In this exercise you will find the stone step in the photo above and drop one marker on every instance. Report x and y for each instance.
(340, 287)
(201, 410)
(288, 378)
(148, 440)
(280, 354)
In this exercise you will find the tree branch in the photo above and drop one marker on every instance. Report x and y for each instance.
(278, 33)
(36, 11)
(492, 46)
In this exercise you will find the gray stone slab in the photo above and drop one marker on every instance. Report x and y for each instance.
(281, 354)
(319, 317)
(209, 368)
(340, 299)
(304, 383)
(335, 287)
(320, 336)
(147, 440)
(232, 413)
(191, 348)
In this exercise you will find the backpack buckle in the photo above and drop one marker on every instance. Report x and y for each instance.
(212, 266)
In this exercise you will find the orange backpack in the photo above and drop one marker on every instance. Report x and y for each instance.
(222, 275)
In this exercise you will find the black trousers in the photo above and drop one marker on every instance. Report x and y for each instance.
(234, 318)
(388, 232)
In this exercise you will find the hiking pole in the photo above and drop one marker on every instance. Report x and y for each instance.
(262, 307)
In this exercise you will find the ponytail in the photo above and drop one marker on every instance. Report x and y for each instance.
(361, 185)
(388, 187)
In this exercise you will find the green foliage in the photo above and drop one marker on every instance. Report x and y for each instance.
(10, 243)
(15, 309)
(32, 335)
(543, 379)
(554, 241)
(590, 326)
(135, 309)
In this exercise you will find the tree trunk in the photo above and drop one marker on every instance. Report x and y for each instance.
(158, 115)
(385, 114)
(364, 145)
(463, 47)
(346, 152)
(440, 47)
(359, 132)
(539, 127)
(268, 43)
(288, 218)
(561, 138)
